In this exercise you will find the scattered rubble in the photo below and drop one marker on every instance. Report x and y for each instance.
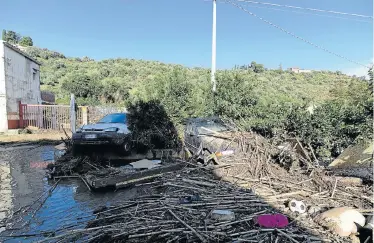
(159, 215)
(224, 202)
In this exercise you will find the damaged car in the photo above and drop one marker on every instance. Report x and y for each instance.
(202, 140)
(112, 130)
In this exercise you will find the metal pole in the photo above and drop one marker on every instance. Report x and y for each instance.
(213, 72)
(72, 113)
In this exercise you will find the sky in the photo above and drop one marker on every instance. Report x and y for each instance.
(180, 31)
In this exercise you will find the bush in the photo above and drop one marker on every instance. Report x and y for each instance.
(270, 102)
(332, 127)
(151, 126)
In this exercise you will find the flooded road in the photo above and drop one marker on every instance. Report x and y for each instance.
(30, 205)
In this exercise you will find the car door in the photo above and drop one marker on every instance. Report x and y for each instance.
(191, 138)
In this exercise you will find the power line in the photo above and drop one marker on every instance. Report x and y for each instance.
(309, 9)
(294, 35)
(322, 15)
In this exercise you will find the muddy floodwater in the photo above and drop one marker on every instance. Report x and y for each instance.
(26, 206)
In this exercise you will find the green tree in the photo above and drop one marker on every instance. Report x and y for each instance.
(12, 37)
(26, 41)
(3, 36)
(82, 85)
(257, 68)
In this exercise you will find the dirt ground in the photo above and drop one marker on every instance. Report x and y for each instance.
(31, 137)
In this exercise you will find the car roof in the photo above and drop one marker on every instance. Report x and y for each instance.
(118, 113)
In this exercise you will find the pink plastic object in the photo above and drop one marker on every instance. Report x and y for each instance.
(272, 220)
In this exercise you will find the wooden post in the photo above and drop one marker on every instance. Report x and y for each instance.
(72, 113)
(20, 113)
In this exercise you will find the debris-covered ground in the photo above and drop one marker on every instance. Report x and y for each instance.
(258, 179)
(261, 193)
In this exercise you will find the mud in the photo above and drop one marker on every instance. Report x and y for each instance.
(23, 183)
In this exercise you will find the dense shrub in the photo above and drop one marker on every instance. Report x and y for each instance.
(151, 126)
(271, 102)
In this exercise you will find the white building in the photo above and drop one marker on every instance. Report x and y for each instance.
(298, 70)
(19, 82)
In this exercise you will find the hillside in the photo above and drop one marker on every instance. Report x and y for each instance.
(271, 102)
(112, 80)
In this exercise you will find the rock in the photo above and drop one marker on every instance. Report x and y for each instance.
(341, 220)
(223, 215)
(314, 209)
(61, 146)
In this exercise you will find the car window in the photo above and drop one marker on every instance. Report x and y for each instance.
(208, 127)
(114, 118)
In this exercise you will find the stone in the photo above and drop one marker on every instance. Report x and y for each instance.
(314, 209)
(341, 220)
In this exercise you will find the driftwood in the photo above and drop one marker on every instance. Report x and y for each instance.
(176, 206)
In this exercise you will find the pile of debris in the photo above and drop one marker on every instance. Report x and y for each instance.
(257, 165)
(191, 206)
(286, 177)
(260, 193)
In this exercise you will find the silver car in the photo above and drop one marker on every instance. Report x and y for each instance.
(201, 140)
(111, 130)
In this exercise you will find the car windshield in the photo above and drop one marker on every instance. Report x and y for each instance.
(114, 118)
(208, 127)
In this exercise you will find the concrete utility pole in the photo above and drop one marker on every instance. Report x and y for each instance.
(72, 113)
(214, 37)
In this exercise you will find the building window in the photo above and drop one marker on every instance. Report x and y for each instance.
(34, 74)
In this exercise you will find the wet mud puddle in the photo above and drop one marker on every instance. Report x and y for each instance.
(32, 207)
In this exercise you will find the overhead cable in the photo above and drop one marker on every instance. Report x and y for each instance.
(294, 35)
(309, 9)
(316, 14)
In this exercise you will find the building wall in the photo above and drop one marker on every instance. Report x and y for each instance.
(3, 111)
(22, 77)
(298, 70)
(305, 71)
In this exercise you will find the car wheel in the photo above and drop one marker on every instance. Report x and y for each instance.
(126, 148)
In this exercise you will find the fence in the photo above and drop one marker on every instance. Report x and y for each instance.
(95, 113)
(56, 117)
